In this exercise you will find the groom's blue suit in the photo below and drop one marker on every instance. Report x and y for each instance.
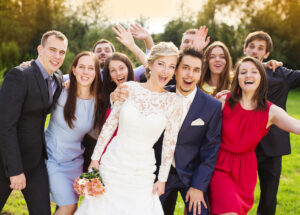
(196, 150)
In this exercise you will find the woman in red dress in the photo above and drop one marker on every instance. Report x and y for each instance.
(247, 117)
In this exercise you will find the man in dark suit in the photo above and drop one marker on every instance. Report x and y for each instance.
(198, 140)
(26, 97)
(277, 142)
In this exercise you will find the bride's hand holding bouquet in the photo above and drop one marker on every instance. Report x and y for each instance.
(89, 184)
(94, 165)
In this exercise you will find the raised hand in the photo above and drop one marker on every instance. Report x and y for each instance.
(201, 40)
(138, 32)
(17, 182)
(124, 36)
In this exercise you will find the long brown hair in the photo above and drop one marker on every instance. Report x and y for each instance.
(95, 89)
(260, 95)
(224, 80)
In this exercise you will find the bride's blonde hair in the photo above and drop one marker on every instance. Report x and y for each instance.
(159, 50)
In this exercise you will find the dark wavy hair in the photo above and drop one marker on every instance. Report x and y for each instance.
(224, 81)
(260, 95)
(108, 85)
(95, 89)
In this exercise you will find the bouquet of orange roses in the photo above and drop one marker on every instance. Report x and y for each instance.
(89, 184)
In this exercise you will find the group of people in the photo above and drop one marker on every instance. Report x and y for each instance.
(190, 125)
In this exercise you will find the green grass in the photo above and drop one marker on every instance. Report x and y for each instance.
(289, 188)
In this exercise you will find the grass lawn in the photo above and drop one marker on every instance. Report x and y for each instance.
(289, 188)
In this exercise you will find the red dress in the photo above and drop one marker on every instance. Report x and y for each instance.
(234, 179)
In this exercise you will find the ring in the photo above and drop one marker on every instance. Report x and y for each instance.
(199, 203)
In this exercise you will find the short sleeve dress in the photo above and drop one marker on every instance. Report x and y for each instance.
(64, 148)
(235, 176)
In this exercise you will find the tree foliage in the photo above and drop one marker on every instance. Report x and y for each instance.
(24, 21)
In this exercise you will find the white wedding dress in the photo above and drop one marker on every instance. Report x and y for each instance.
(128, 165)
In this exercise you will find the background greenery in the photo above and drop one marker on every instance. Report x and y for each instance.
(24, 21)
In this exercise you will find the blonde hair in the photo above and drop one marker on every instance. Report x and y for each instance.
(159, 50)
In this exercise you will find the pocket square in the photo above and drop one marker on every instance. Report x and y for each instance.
(197, 122)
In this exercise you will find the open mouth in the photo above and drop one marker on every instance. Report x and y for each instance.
(188, 83)
(121, 80)
(249, 82)
(162, 79)
(84, 78)
(54, 63)
(218, 65)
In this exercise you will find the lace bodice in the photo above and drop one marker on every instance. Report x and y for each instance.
(141, 119)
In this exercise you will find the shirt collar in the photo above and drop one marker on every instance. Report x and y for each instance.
(45, 74)
(190, 96)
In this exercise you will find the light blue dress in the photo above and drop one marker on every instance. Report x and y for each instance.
(64, 148)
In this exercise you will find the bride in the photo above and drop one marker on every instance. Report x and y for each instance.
(128, 165)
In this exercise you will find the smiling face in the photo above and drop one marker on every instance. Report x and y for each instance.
(118, 71)
(102, 51)
(188, 74)
(248, 77)
(52, 53)
(85, 71)
(257, 49)
(217, 61)
(162, 70)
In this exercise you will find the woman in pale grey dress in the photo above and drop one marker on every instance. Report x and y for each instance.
(77, 112)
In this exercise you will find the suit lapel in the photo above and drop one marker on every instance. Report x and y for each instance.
(192, 113)
(41, 83)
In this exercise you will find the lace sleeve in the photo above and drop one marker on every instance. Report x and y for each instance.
(170, 136)
(107, 131)
(110, 126)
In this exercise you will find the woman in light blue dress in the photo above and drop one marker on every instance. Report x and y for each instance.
(77, 112)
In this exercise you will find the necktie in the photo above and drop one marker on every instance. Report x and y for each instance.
(49, 82)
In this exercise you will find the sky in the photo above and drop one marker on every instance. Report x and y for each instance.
(157, 12)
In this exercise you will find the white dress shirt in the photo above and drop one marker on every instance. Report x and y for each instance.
(187, 101)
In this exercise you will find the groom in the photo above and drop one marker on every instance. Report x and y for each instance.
(26, 96)
(198, 140)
